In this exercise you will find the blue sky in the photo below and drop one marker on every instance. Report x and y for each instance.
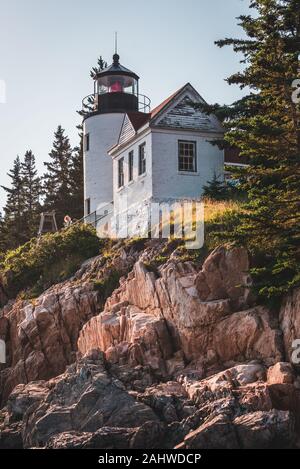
(48, 47)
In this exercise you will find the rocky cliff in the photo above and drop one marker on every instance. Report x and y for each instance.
(144, 348)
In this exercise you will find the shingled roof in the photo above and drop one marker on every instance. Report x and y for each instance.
(180, 117)
(165, 103)
(138, 119)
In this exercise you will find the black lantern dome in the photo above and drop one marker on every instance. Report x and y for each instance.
(116, 69)
(117, 88)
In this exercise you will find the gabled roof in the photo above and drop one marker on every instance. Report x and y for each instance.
(175, 112)
(138, 119)
(180, 113)
(161, 106)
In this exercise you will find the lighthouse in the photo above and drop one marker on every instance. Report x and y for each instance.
(116, 93)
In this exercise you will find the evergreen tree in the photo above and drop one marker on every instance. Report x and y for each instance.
(101, 65)
(3, 237)
(31, 195)
(57, 184)
(88, 105)
(13, 233)
(216, 189)
(76, 179)
(265, 126)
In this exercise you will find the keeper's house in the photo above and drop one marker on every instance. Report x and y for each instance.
(135, 154)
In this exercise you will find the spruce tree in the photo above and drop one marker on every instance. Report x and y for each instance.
(56, 182)
(265, 126)
(101, 65)
(13, 233)
(76, 179)
(3, 237)
(216, 189)
(31, 194)
(88, 105)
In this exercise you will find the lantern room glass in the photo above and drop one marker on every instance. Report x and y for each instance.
(117, 84)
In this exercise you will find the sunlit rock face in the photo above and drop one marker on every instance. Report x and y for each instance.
(176, 356)
(207, 315)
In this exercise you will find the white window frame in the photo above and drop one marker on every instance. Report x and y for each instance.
(130, 165)
(184, 147)
(142, 159)
(121, 179)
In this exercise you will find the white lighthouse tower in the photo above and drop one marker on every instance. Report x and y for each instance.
(116, 93)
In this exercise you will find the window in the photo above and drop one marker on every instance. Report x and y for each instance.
(88, 206)
(187, 156)
(142, 159)
(121, 172)
(130, 166)
(87, 142)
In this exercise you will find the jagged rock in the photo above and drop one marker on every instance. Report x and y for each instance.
(43, 335)
(283, 389)
(23, 397)
(257, 430)
(217, 433)
(84, 399)
(247, 335)
(235, 383)
(112, 438)
(290, 321)
(167, 400)
(281, 373)
(208, 330)
(73, 440)
(184, 361)
(89, 406)
(225, 274)
(11, 437)
(147, 436)
(265, 430)
(129, 334)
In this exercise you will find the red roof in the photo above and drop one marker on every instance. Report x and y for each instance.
(161, 106)
(138, 119)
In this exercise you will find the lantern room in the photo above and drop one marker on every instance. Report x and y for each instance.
(116, 89)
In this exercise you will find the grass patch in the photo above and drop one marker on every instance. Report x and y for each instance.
(36, 266)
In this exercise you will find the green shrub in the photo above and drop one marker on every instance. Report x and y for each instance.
(38, 265)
